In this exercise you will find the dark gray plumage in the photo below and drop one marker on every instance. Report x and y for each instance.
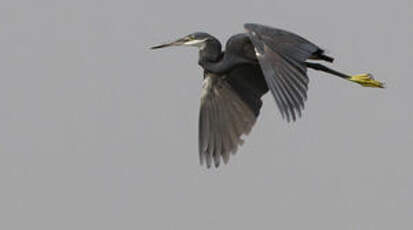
(262, 59)
(224, 117)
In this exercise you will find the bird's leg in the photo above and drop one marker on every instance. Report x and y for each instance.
(365, 80)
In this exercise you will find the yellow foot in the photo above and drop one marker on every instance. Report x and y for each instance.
(366, 80)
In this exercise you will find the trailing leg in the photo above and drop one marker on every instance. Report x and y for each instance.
(365, 80)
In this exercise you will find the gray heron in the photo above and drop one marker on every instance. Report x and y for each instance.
(262, 59)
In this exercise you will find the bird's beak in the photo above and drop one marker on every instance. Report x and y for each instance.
(178, 42)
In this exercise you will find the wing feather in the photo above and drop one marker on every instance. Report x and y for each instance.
(224, 118)
(281, 55)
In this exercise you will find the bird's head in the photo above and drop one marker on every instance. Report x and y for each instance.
(198, 39)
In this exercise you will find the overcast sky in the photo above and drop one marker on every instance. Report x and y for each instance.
(99, 132)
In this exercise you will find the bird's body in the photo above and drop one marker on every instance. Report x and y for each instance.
(240, 69)
(253, 63)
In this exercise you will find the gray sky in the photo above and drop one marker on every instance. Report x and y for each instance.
(98, 132)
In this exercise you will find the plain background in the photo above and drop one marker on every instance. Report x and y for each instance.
(99, 132)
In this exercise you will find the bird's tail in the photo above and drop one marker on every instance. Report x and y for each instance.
(326, 58)
(319, 55)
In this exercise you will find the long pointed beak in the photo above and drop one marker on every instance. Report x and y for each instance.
(178, 42)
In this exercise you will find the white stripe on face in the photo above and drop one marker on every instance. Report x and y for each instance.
(197, 43)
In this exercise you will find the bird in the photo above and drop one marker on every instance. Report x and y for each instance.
(261, 59)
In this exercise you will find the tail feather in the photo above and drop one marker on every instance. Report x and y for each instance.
(319, 55)
(326, 58)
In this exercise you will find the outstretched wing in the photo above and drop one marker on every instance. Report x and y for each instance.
(281, 55)
(229, 109)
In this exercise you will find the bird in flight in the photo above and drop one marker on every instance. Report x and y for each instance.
(262, 59)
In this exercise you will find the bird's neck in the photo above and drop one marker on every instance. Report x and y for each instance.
(225, 63)
(213, 60)
(210, 52)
